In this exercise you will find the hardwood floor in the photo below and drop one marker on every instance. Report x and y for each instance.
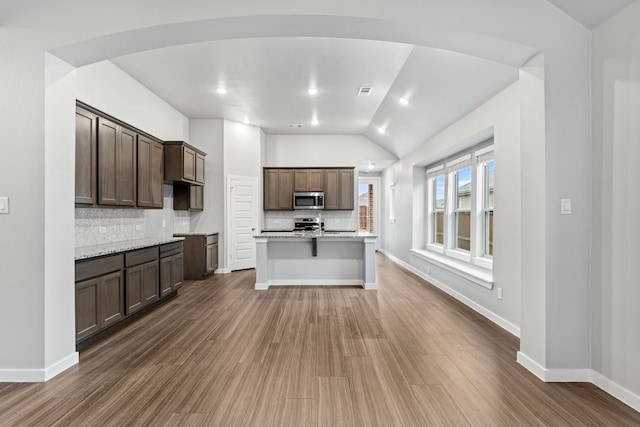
(223, 354)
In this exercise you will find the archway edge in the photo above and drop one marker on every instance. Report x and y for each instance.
(241, 27)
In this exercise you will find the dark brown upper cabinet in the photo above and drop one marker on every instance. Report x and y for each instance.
(183, 163)
(308, 180)
(116, 164)
(278, 189)
(338, 189)
(86, 156)
(150, 172)
(187, 197)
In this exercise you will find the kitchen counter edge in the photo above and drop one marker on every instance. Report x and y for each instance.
(86, 252)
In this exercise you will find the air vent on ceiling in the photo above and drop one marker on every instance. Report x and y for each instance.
(296, 125)
(365, 91)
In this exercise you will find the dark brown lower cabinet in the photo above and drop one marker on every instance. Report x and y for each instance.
(201, 254)
(171, 267)
(99, 294)
(142, 286)
(111, 288)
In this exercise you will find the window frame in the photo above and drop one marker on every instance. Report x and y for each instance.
(476, 160)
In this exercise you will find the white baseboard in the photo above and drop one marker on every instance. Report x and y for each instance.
(616, 390)
(296, 282)
(38, 375)
(222, 271)
(503, 323)
(581, 376)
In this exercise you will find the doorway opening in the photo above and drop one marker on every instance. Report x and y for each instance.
(368, 205)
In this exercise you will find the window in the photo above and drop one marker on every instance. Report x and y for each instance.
(460, 204)
(438, 210)
(462, 213)
(487, 235)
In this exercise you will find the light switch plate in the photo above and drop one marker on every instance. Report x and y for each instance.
(4, 205)
(565, 206)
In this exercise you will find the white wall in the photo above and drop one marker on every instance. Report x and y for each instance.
(500, 115)
(615, 292)
(321, 150)
(109, 89)
(207, 135)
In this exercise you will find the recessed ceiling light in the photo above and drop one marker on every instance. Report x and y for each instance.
(404, 101)
(382, 130)
(246, 121)
(314, 122)
(221, 90)
(312, 91)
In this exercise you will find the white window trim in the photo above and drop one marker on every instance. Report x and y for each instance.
(480, 276)
(474, 264)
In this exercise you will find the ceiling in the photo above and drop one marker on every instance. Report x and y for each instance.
(267, 81)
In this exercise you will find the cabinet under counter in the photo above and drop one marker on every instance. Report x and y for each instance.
(200, 253)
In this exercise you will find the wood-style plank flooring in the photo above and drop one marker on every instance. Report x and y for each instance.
(223, 354)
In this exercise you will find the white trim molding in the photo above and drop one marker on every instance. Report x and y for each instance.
(583, 376)
(38, 375)
(498, 320)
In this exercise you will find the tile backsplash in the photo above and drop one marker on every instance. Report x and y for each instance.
(95, 226)
(333, 220)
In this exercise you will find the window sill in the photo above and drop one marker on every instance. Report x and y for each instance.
(472, 273)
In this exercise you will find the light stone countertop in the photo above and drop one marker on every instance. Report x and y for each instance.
(86, 252)
(312, 234)
(194, 233)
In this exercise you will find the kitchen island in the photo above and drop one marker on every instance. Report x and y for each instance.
(315, 258)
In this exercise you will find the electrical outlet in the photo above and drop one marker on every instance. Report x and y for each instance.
(164, 223)
(4, 205)
(102, 230)
(138, 227)
(499, 293)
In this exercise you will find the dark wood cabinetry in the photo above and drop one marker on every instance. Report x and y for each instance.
(278, 189)
(116, 164)
(183, 163)
(150, 172)
(86, 156)
(338, 189)
(336, 183)
(187, 197)
(110, 289)
(201, 254)
(142, 278)
(99, 294)
(308, 180)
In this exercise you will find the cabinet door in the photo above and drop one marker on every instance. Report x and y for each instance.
(144, 172)
(331, 200)
(270, 197)
(196, 197)
(126, 168)
(176, 271)
(165, 276)
(111, 298)
(150, 173)
(188, 164)
(157, 175)
(346, 189)
(285, 189)
(87, 308)
(86, 157)
(199, 168)
(301, 180)
(134, 280)
(150, 282)
(315, 177)
(211, 258)
(107, 148)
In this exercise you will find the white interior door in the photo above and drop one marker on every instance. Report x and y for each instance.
(242, 222)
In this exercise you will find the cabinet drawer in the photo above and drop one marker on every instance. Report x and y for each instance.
(98, 266)
(141, 256)
(211, 239)
(170, 249)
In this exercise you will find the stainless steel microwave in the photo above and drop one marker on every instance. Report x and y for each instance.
(308, 200)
